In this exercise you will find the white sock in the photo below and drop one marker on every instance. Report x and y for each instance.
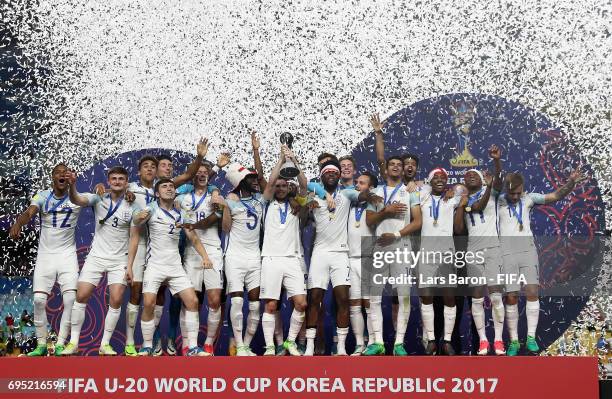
(342, 333)
(110, 322)
(295, 324)
(40, 317)
(369, 325)
(68, 298)
(148, 328)
(512, 321)
(427, 315)
(192, 322)
(76, 323)
(268, 324)
(157, 314)
(498, 314)
(478, 315)
(183, 327)
(450, 314)
(302, 334)
(311, 334)
(376, 335)
(130, 325)
(532, 309)
(252, 322)
(357, 323)
(403, 315)
(214, 318)
(278, 328)
(236, 317)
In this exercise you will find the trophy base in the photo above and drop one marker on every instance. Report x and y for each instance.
(289, 172)
(463, 160)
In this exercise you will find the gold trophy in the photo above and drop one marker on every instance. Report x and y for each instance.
(463, 114)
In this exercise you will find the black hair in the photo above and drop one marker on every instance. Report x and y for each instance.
(164, 157)
(147, 157)
(372, 177)
(392, 157)
(324, 155)
(59, 165)
(333, 162)
(117, 170)
(415, 158)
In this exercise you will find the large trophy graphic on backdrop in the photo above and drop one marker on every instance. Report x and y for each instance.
(288, 170)
(463, 114)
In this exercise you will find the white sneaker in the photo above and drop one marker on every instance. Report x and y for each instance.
(270, 351)
(358, 350)
(242, 351)
(292, 348)
(251, 353)
(171, 347)
(158, 350)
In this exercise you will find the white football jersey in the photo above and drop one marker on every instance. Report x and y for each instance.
(163, 235)
(144, 196)
(510, 216)
(396, 223)
(482, 226)
(357, 229)
(281, 230)
(113, 235)
(243, 239)
(331, 227)
(196, 208)
(432, 206)
(58, 220)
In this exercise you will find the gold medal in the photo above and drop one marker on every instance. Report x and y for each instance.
(468, 209)
(435, 222)
(332, 216)
(101, 221)
(357, 223)
(521, 227)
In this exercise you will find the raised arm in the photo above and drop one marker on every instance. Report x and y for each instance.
(495, 182)
(192, 169)
(268, 192)
(379, 146)
(575, 177)
(75, 197)
(257, 159)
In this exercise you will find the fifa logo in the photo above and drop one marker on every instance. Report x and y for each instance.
(463, 115)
